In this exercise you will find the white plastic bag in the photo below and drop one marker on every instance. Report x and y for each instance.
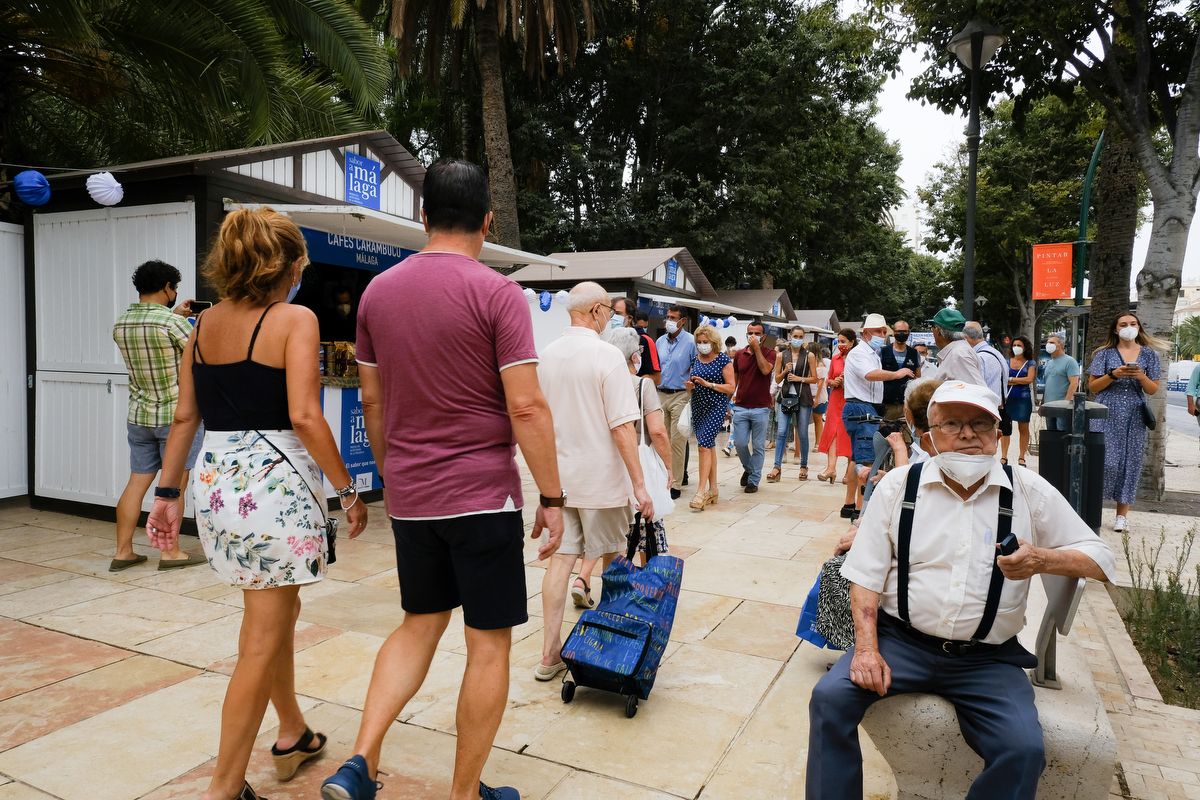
(654, 472)
(684, 425)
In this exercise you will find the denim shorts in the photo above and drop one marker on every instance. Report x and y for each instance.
(862, 434)
(147, 445)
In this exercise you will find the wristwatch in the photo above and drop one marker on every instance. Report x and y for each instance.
(553, 502)
(166, 493)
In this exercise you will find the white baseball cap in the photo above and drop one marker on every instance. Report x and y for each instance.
(970, 394)
(874, 321)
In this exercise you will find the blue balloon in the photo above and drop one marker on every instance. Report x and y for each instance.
(544, 301)
(32, 187)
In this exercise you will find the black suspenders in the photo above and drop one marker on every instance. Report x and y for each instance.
(904, 540)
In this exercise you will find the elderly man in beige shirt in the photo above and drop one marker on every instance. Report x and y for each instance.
(586, 382)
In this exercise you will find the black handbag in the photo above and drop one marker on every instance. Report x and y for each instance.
(1148, 418)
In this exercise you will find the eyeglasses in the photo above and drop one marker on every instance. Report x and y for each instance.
(953, 427)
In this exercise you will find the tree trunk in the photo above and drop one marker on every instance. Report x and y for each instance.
(1158, 290)
(1026, 308)
(495, 128)
(1111, 258)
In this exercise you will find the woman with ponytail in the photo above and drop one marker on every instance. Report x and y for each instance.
(250, 373)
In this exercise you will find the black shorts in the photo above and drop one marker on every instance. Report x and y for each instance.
(476, 562)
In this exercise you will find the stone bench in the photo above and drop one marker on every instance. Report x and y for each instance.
(919, 737)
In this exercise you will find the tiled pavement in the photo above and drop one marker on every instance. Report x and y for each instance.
(111, 685)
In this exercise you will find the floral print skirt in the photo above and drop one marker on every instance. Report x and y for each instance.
(258, 519)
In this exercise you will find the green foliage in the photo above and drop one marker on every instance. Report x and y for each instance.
(1186, 337)
(1162, 612)
(1029, 191)
(101, 81)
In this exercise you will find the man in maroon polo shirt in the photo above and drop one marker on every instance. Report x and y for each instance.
(752, 401)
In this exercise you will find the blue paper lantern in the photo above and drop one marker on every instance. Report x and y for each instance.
(32, 187)
(544, 301)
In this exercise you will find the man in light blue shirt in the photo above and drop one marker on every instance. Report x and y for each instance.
(676, 350)
(1062, 378)
(1193, 393)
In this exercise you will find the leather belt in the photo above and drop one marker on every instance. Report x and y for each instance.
(670, 391)
(950, 647)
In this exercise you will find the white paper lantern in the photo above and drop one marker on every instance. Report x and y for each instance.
(561, 296)
(529, 293)
(105, 189)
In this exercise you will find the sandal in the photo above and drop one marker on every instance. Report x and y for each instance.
(581, 595)
(1004, 461)
(774, 475)
(248, 794)
(698, 502)
(711, 499)
(1021, 461)
(288, 761)
(804, 473)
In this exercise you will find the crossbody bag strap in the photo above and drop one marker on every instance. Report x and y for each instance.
(1003, 528)
(904, 539)
(281, 454)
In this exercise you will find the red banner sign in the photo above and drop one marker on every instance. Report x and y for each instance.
(1052, 269)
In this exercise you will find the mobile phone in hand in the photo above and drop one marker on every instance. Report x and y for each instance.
(1009, 545)
(200, 305)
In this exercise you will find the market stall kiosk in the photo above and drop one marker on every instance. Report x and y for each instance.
(356, 197)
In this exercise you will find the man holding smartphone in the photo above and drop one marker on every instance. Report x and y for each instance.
(151, 335)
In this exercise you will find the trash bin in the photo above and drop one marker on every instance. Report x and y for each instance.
(1054, 456)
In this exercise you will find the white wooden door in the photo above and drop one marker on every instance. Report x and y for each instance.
(83, 268)
(14, 460)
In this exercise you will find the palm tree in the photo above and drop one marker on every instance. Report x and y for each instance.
(91, 81)
(1187, 338)
(438, 32)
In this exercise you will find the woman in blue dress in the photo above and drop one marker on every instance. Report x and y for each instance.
(1122, 369)
(711, 386)
(1022, 370)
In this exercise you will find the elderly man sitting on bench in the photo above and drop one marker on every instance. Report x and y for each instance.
(939, 578)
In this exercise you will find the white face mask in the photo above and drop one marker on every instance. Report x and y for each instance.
(1018, 350)
(704, 348)
(344, 308)
(1128, 333)
(964, 469)
(797, 344)
(1051, 347)
(672, 327)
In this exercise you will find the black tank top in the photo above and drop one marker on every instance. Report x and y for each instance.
(243, 395)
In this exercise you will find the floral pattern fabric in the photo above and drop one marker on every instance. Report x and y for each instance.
(258, 519)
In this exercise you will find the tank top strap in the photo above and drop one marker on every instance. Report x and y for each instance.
(196, 354)
(257, 328)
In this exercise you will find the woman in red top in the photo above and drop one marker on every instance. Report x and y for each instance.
(834, 439)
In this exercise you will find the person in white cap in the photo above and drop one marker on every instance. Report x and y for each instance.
(863, 382)
(937, 607)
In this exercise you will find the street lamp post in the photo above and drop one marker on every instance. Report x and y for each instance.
(974, 46)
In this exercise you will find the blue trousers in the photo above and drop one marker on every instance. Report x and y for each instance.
(801, 419)
(750, 435)
(993, 699)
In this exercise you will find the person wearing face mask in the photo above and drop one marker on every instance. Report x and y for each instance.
(898, 355)
(151, 339)
(937, 608)
(676, 351)
(340, 323)
(1124, 371)
(710, 384)
(648, 363)
(248, 372)
(798, 377)
(752, 401)
(1061, 377)
(1022, 372)
(864, 379)
(833, 438)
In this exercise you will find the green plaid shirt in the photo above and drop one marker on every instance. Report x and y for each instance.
(151, 339)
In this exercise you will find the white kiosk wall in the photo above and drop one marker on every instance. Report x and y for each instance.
(548, 325)
(13, 456)
(83, 265)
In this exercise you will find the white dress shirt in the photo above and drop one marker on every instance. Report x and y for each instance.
(953, 546)
(862, 359)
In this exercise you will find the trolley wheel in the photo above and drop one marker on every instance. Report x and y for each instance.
(568, 691)
(631, 705)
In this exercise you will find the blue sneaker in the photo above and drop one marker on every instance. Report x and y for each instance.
(352, 781)
(499, 793)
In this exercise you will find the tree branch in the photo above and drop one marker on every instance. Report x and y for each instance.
(1187, 126)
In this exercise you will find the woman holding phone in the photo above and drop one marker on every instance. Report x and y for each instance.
(250, 372)
(1124, 370)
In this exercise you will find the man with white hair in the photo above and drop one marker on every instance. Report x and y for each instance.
(863, 382)
(994, 367)
(956, 360)
(937, 607)
(586, 382)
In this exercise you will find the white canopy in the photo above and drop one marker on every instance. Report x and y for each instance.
(376, 226)
(699, 305)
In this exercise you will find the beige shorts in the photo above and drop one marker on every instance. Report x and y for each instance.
(595, 532)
